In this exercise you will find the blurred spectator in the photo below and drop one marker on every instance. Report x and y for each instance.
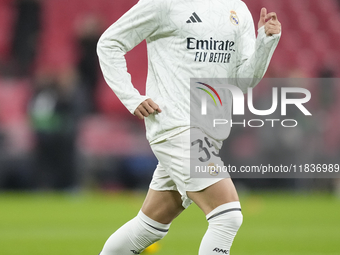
(88, 66)
(15, 136)
(26, 34)
(327, 94)
(55, 110)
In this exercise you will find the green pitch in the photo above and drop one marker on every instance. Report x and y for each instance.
(58, 224)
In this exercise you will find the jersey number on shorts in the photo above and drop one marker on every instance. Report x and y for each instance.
(205, 149)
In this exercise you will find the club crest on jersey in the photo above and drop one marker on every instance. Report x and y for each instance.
(233, 18)
(213, 169)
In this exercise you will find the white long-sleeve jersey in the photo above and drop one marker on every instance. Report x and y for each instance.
(185, 39)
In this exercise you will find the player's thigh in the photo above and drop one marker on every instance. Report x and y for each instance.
(162, 206)
(220, 193)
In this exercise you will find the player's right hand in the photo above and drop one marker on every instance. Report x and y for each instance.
(270, 22)
(146, 108)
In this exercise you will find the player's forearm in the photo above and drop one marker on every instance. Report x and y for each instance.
(255, 67)
(133, 27)
(113, 65)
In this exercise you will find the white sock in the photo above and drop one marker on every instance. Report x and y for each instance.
(135, 236)
(224, 222)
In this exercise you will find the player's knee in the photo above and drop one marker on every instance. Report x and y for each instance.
(155, 229)
(159, 235)
(228, 222)
(235, 222)
(227, 217)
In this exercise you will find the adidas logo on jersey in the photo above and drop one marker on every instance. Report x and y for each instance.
(194, 18)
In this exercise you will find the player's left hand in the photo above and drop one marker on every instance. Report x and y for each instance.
(270, 22)
(146, 108)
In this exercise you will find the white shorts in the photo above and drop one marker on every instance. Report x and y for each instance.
(173, 169)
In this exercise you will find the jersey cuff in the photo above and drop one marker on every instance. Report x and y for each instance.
(261, 33)
(267, 39)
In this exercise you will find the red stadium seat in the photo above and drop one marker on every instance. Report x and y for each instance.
(14, 98)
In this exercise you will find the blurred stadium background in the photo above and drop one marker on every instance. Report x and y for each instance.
(62, 129)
